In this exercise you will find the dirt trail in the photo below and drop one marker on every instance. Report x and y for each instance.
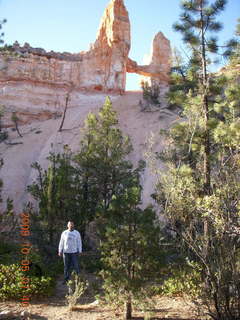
(87, 308)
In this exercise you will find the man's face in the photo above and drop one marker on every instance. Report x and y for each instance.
(70, 226)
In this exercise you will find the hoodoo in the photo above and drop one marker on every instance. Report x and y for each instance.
(33, 77)
(160, 61)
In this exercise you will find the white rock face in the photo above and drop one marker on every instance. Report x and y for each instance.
(41, 137)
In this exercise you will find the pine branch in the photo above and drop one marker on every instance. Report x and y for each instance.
(212, 45)
(215, 26)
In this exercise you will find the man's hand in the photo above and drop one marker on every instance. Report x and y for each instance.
(60, 254)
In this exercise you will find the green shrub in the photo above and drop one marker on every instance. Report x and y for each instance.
(11, 283)
(76, 289)
(90, 263)
(54, 268)
(6, 247)
(3, 136)
(183, 280)
(9, 252)
(151, 95)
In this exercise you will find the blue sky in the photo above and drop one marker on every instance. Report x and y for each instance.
(71, 25)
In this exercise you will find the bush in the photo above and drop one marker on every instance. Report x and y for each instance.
(90, 263)
(3, 136)
(9, 252)
(151, 96)
(76, 289)
(183, 280)
(11, 283)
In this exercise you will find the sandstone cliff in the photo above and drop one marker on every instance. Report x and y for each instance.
(32, 77)
(101, 68)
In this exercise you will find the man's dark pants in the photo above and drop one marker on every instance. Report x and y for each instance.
(70, 262)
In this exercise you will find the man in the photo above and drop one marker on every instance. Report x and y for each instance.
(70, 246)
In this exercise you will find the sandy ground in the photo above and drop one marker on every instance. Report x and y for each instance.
(41, 137)
(56, 308)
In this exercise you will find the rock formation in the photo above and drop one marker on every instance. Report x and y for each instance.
(160, 64)
(31, 78)
(103, 67)
(112, 46)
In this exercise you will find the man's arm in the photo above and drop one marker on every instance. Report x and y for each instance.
(79, 243)
(60, 247)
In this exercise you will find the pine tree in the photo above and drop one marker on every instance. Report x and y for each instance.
(151, 96)
(102, 159)
(235, 56)
(200, 194)
(197, 20)
(183, 78)
(56, 191)
(15, 120)
(2, 34)
(130, 251)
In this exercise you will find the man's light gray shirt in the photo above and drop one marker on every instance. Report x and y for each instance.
(70, 242)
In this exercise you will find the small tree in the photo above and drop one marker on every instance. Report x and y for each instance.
(2, 34)
(15, 120)
(57, 203)
(67, 100)
(76, 288)
(150, 96)
(3, 134)
(2, 108)
(8, 218)
(235, 56)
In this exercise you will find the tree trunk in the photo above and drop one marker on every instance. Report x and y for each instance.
(129, 268)
(129, 309)
(205, 105)
(64, 113)
(207, 165)
(16, 127)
